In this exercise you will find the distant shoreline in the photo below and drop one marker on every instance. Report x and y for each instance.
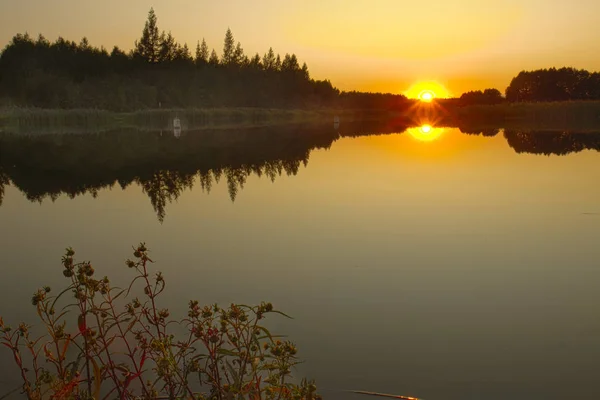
(39, 120)
(576, 115)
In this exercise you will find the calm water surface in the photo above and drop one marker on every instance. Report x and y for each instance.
(454, 268)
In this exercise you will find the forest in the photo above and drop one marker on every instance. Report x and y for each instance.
(161, 73)
(541, 85)
(545, 85)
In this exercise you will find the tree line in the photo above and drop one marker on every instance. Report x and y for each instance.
(541, 85)
(554, 85)
(160, 72)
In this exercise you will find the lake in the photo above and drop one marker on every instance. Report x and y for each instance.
(429, 263)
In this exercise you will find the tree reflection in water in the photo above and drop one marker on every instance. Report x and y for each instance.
(48, 166)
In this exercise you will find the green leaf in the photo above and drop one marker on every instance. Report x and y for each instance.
(233, 373)
(266, 331)
(228, 352)
(281, 313)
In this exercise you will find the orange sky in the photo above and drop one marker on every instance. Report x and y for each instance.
(382, 45)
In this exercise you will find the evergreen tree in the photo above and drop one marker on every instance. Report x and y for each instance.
(269, 60)
(197, 53)
(228, 49)
(204, 51)
(168, 48)
(290, 63)
(305, 73)
(42, 41)
(149, 45)
(214, 59)
(201, 53)
(278, 63)
(183, 53)
(238, 55)
(84, 44)
(255, 61)
(245, 61)
(66, 74)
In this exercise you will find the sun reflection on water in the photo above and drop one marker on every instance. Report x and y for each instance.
(426, 132)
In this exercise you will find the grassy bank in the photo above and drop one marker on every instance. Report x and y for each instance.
(35, 120)
(578, 115)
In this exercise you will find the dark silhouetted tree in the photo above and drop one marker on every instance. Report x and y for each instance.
(228, 57)
(65, 74)
(277, 63)
(214, 59)
(149, 45)
(269, 60)
(305, 73)
(553, 85)
(255, 62)
(238, 55)
(488, 96)
(168, 48)
(202, 53)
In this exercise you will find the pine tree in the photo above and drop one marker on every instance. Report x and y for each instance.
(183, 53)
(228, 49)
(197, 54)
(214, 58)
(269, 60)
(42, 41)
(278, 63)
(148, 46)
(204, 51)
(168, 48)
(290, 63)
(84, 44)
(238, 55)
(201, 53)
(305, 73)
(255, 62)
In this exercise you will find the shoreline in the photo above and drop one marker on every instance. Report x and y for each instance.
(20, 120)
(578, 115)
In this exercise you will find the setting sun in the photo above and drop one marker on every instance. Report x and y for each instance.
(426, 95)
(427, 91)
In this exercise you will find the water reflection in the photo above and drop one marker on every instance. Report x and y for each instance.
(426, 132)
(549, 143)
(164, 166)
(484, 132)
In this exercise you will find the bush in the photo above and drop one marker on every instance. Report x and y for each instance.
(124, 347)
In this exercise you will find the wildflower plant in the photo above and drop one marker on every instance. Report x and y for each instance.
(124, 347)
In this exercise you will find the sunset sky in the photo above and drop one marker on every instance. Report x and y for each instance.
(381, 45)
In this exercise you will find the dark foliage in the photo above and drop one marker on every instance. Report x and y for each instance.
(165, 167)
(158, 72)
(554, 85)
(162, 165)
(551, 142)
(488, 96)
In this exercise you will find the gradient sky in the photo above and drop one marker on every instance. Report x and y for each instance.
(380, 45)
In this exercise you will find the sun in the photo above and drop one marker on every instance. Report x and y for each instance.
(426, 133)
(427, 91)
(426, 96)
